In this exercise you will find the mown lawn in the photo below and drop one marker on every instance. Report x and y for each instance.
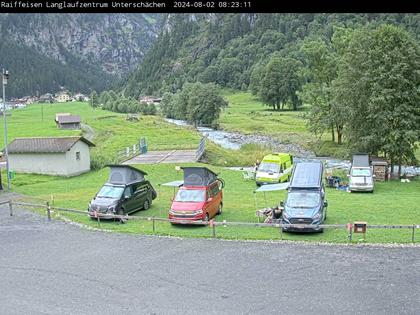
(391, 203)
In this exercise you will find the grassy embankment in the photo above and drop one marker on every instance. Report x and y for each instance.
(246, 114)
(113, 132)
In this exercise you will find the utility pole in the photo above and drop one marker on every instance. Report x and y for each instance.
(5, 78)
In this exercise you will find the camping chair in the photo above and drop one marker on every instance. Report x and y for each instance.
(248, 175)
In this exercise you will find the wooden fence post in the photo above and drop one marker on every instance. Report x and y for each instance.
(213, 226)
(412, 235)
(281, 231)
(48, 211)
(10, 208)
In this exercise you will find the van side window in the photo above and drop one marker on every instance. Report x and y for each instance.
(140, 188)
(127, 192)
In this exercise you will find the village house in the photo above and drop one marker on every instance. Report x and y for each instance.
(46, 98)
(150, 100)
(79, 97)
(62, 97)
(64, 156)
(67, 121)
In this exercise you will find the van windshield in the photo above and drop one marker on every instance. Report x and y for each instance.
(110, 192)
(269, 167)
(360, 172)
(185, 195)
(302, 199)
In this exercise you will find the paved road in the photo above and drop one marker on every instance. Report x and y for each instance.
(155, 157)
(58, 268)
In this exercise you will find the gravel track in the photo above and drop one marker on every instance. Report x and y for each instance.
(59, 268)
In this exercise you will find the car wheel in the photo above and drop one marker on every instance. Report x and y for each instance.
(220, 209)
(146, 204)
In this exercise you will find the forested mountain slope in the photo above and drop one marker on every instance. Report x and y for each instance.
(225, 48)
(78, 51)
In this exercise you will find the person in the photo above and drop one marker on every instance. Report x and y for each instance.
(256, 165)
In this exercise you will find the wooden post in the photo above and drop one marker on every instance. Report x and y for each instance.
(213, 226)
(10, 208)
(153, 222)
(48, 211)
(281, 232)
(412, 235)
(98, 219)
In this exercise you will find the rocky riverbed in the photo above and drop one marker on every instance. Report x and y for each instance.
(234, 140)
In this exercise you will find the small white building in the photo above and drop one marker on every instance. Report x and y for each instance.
(64, 156)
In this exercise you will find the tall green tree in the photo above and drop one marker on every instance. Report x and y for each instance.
(322, 59)
(280, 83)
(198, 103)
(94, 100)
(205, 104)
(378, 81)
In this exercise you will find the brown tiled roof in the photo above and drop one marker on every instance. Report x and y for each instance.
(68, 119)
(45, 145)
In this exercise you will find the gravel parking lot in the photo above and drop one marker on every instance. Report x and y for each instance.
(59, 268)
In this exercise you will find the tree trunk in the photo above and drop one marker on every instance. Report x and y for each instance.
(339, 134)
(332, 133)
(399, 163)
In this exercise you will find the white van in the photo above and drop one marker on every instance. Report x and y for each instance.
(361, 174)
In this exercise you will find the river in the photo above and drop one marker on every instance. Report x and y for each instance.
(234, 141)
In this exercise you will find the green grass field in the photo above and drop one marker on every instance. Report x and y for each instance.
(391, 203)
(247, 115)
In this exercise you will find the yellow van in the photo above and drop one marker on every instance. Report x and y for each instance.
(274, 168)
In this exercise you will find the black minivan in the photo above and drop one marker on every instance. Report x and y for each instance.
(125, 192)
(305, 202)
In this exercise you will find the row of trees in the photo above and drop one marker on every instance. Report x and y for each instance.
(363, 84)
(198, 103)
(112, 101)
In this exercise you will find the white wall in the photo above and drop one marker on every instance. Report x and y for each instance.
(39, 163)
(64, 164)
(75, 167)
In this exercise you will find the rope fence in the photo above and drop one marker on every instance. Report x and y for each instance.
(350, 228)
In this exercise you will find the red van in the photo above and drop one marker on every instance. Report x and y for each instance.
(199, 198)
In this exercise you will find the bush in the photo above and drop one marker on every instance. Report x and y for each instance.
(98, 160)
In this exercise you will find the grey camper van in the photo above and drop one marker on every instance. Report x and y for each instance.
(126, 191)
(305, 202)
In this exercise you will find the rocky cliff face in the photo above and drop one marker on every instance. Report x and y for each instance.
(116, 43)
